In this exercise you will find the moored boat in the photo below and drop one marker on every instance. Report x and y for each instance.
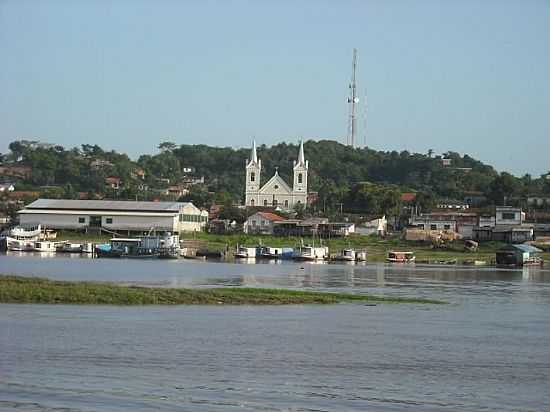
(267, 252)
(310, 253)
(245, 252)
(401, 257)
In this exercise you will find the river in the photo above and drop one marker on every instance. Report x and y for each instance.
(489, 349)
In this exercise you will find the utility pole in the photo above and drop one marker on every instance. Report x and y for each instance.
(352, 101)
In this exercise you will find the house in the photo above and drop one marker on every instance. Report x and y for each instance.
(221, 226)
(446, 162)
(113, 182)
(336, 229)
(177, 191)
(507, 215)
(262, 223)
(99, 164)
(408, 197)
(538, 200)
(126, 216)
(6, 187)
(460, 222)
(378, 226)
(138, 173)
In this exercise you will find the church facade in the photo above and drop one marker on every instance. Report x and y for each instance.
(276, 192)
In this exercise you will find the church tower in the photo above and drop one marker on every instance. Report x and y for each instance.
(253, 170)
(299, 188)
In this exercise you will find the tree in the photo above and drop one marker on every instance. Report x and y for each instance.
(167, 146)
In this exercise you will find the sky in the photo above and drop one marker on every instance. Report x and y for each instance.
(464, 76)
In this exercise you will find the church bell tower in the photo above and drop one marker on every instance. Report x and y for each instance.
(301, 167)
(253, 170)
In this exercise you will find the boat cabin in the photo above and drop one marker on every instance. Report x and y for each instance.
(518, 255)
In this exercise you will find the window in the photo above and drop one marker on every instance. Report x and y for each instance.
(81, 220)
(508, 216)
(447, 227)
(253, 223)
(433, 227)
(286, 203)
(265, 202)
(276, 187)
(251, 202)
(275, 202)
(300, 178)
(109, 220)
(252, 177)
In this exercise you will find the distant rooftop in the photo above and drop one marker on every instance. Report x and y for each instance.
(120, 205)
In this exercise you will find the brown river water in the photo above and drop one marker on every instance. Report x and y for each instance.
(487, 350)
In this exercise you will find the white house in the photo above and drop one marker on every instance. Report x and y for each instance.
(377, 226)
(261, 222)
(128, 216)
(276, 192)
(507, 215)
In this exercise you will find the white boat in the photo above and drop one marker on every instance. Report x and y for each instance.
(44, 246)
(401, 257)
(268, 252)
(346, 255)
(25, 232)
(310, 253)
(68, 247)
(87, 247)
(19, 245)
(244, 252)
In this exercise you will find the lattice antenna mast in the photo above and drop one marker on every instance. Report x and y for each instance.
(352, 101)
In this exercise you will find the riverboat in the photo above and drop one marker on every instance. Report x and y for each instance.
(67, 247)
(267, 252)
(44, 246)
(245, 252)
(401, 257)
(19, 245)
(310, 253)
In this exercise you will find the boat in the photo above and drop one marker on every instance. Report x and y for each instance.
(22, 238)
(19, 245)
(346, 255)
(401, 257)
(87, 247)
(267, 252)
(245, 252)
(44, 246)
(118, 247)
(67, 247)
(310, 253)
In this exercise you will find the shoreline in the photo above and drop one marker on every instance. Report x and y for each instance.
(34, 290)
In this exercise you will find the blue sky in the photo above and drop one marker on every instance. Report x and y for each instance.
(467, 76)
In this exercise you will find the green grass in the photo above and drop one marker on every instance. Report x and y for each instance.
(17, 289)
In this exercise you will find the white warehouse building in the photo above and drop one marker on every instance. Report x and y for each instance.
(119, 215)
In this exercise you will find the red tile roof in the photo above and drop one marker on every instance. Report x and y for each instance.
(408, 197)
(271, 216)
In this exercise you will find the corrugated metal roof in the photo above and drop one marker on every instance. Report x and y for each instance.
(527, 248)
(126, 205)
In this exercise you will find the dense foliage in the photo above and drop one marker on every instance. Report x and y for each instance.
(357, 180)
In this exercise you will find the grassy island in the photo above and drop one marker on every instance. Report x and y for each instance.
(17, 289)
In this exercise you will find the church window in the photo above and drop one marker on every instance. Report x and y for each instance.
(252, 177)
(286, 203)
(300, 178)
(251, 202)
(265, 202)
(276, 187)
(274, 202)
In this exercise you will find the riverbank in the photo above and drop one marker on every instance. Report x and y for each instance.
(19, 289)
(377, 248)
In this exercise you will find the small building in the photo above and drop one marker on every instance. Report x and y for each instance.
(126, 216)
(378, 226)
(113, 182)
(336, 229)
(262, 223)
(6, 187)
(518, 255)
(513, 233)
(507, 215)
(177, 191)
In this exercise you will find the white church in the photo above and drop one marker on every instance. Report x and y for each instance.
(276, 192)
